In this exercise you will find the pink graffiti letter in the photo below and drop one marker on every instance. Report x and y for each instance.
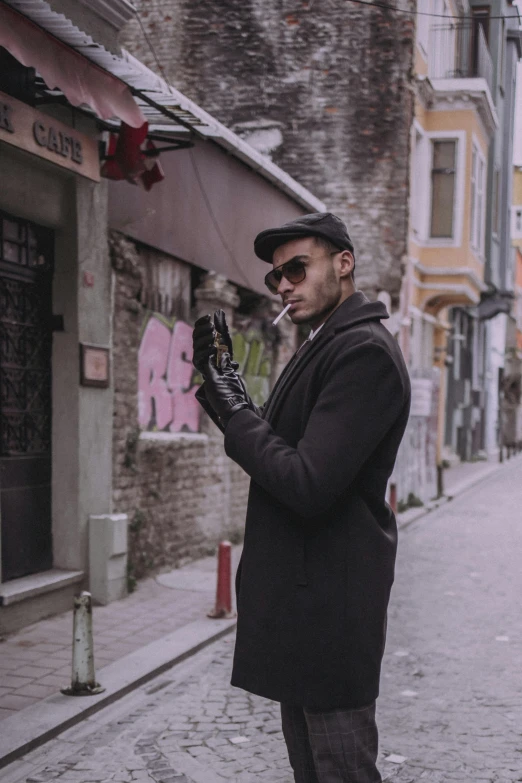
(185, 408)
(154, 404)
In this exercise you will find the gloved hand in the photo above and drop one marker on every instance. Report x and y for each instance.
(203, 343)
(221, 327)
(203, 338)
(224, 389)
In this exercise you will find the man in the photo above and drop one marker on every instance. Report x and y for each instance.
(320, 540)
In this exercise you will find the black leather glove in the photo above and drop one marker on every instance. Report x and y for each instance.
(224, 389)
(221, 327)
(203, 343)
(204, 355)
(203, 338)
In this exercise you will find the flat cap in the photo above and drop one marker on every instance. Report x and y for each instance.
(316, 224)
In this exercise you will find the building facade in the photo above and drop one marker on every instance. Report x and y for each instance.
(512, 382)
(55, 294)
(178, 253)
(459, 260)
(107, 469)
(324, 90)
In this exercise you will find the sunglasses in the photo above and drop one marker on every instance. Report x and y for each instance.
(294, 271)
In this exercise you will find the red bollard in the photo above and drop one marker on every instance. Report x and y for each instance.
(223, 608)
(393, 497)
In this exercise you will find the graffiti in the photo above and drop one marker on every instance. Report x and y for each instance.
(166, 388)
(167, 381)
(255, 364)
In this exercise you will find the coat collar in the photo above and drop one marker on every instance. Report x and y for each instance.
(355, 310)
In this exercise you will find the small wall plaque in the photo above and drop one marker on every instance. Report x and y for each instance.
(94, 366)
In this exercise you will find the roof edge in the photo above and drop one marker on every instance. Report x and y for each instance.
(226, 138)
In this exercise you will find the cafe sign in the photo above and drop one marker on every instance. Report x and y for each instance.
(42, 135)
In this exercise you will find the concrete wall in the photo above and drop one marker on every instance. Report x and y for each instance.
(76, 209)
(324, 89)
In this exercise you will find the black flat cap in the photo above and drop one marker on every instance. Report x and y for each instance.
(317, 224)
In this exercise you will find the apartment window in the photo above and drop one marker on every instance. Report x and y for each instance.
(457, 344)
(480, 22)
(496, 201)
(478, 170)
(501, 78)
(480, 17)
(417, 184)
(443, 178)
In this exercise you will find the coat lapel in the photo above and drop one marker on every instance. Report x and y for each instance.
(292, 370)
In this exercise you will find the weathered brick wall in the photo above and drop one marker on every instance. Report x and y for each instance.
(180, 491)
(323, 87)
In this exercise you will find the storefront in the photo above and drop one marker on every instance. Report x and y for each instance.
(55, 302)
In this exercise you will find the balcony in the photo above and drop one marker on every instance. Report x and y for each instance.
(459, 51)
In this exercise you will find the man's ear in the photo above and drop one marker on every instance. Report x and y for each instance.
(347, 263)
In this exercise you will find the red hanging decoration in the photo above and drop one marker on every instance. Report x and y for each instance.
(153, 171)
(127, 161)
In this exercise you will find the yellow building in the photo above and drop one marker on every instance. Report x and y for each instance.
(454, 121)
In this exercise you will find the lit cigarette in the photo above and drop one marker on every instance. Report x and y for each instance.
(281, 314)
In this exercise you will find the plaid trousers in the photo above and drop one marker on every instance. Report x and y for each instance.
(338, 746)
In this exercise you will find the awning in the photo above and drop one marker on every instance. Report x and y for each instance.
(166, 109)
(80, 80)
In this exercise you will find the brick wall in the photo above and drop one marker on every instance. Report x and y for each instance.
(180, 491)
(324, 88)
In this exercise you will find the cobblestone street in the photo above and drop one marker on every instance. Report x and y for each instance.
(451, 701)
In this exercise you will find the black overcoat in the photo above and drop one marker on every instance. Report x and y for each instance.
(318, 561)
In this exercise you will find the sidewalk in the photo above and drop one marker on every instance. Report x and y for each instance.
(163, 621)
(456, 480)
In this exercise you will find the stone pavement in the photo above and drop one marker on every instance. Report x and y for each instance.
(36, 661)
(451, 698)
(188, 726)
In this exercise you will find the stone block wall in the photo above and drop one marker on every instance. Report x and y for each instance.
(170, 473)
(323, 88)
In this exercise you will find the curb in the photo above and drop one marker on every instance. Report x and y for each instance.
(41, 722)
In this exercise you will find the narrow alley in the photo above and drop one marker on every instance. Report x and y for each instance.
(450, 707)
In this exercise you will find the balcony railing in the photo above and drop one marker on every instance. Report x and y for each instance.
(460, 51)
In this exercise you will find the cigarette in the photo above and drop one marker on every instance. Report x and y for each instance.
(281, 314)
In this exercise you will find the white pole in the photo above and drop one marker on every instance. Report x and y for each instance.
(83, 681)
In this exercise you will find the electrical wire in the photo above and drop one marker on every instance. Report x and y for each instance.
(152, 49)
(204, 194)
(395, 8)
(214, 219)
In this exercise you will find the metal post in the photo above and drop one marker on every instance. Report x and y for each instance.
(83, 681)
(223, 608)
(440, 481)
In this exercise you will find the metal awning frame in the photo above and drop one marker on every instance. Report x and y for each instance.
(166, 110)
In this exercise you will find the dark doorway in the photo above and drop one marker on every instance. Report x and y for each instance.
(26, 269)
